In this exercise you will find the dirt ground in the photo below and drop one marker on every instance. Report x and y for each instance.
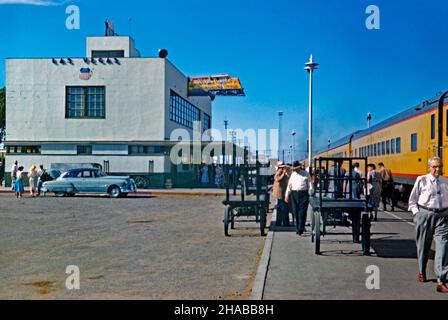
(135, 248)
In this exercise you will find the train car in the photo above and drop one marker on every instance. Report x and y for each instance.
(404, 142)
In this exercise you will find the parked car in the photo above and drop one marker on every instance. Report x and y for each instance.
(89, 180)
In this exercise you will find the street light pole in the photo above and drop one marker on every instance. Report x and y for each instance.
(280, 116)
(226, 123)
(290, 153)
(293, 133)
(310, 66)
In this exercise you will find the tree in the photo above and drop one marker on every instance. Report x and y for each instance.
(2, 114)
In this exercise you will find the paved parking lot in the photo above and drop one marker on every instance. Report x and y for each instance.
(167, 247)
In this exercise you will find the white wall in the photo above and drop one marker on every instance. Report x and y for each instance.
(117, 163)
(112, 43)
(135, 102)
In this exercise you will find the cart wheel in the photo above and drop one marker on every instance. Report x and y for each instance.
(317, 231)
(226, 220)
(232, 219)
(313, 225)
(324, 221)
(262, 222)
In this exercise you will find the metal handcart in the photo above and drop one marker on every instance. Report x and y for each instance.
(254, 195)
(327, 204)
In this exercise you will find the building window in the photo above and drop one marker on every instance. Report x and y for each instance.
(387, 147)
(107, 53)
(84, 149)
(374, 149)
(398, 145)
(182, 111)
(85, 102)
(383, 148)
(140, 149)
(23, 149)
(379, 148)
(433, 126)
(392, 146)
(413, 142)
(206, 125)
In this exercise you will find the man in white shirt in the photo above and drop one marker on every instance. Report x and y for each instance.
(299, 188)
(429, 204)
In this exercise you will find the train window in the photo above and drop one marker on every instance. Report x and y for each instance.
(433, 126)
(398, 145)
(374, 149)
(387, 147)
(413, 142)
(392, 146)
(446, 122)
(383, 148)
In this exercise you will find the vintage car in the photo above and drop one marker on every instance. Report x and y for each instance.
(89, 180)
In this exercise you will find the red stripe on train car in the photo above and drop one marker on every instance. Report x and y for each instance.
(407, 175)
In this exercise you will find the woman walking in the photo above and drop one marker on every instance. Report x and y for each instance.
(18, 184)
(373, 188)
(32, 175)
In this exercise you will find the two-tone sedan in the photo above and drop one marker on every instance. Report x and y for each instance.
(89, 180)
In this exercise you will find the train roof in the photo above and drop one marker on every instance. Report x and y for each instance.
(423, 107)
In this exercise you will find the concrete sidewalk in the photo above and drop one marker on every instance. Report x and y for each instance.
(163, 192)
(292, 271)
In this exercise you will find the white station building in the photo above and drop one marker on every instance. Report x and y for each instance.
(112, 108)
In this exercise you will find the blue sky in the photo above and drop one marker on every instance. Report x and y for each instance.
(265, 43)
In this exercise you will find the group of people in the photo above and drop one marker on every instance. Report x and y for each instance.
(205, 175)
(428, 202)
(36, 177)
(292, 188)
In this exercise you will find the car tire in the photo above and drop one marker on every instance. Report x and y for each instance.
(60, 194)
(123, 195)
(114, 192)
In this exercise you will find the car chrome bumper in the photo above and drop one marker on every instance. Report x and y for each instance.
(128, 189)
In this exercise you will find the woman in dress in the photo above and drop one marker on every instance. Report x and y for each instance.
(204, 175)
(218, 176)
(32, 175)
(18, 184)
(373, 188)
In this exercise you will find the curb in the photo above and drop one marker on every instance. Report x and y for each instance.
(260, 278)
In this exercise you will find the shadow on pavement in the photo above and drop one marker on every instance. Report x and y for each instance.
(397, 248)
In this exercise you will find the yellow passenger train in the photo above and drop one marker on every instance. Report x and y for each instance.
(403, 142)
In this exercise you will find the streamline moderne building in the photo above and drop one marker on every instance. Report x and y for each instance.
(112, 108)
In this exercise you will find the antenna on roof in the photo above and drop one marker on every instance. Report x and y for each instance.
(110, 29)
(130, 25)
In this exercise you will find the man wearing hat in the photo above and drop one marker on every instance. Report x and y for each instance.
(298, 191)
(279, 190)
